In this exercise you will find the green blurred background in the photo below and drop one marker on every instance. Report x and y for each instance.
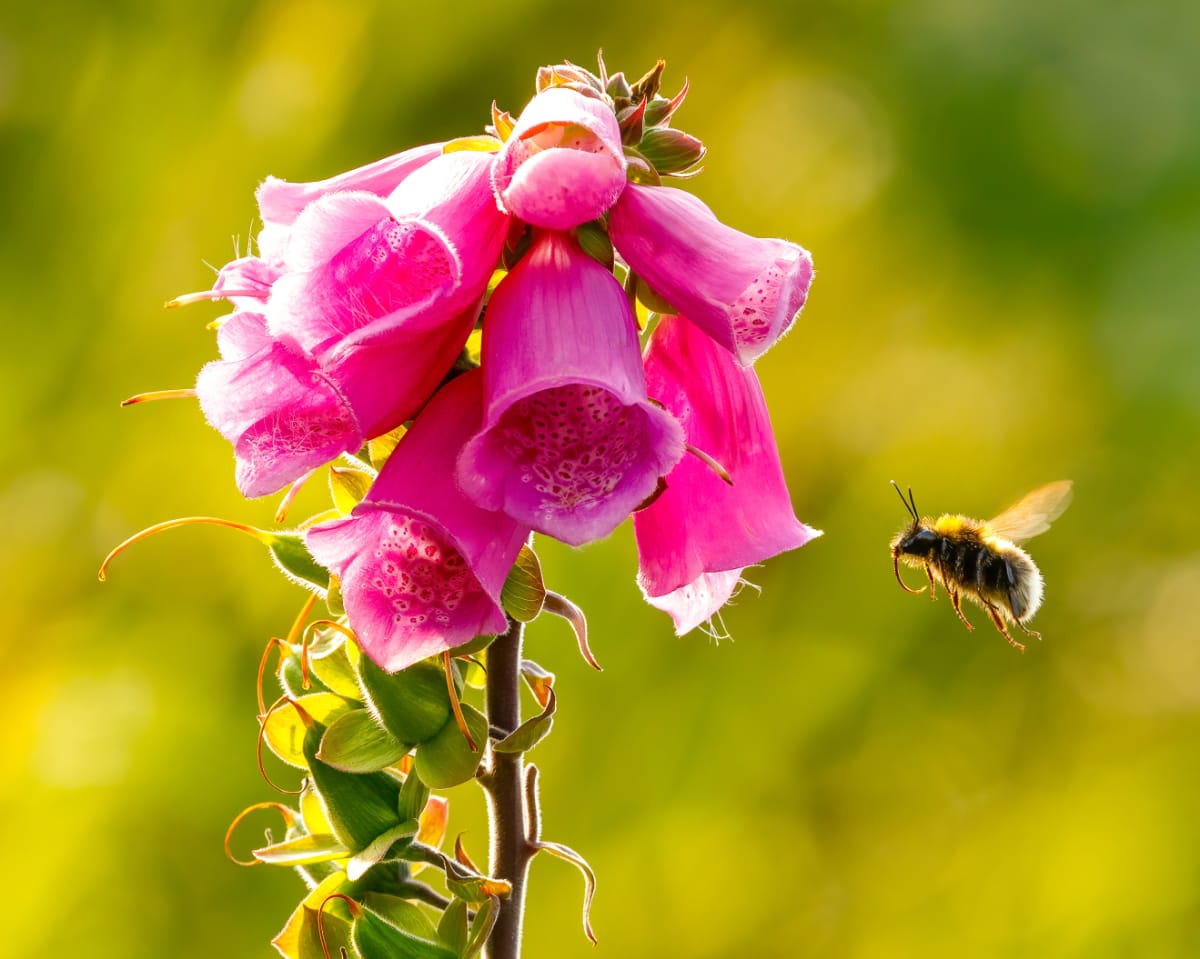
(1002, 200)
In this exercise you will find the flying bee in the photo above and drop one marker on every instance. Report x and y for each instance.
(982, 561)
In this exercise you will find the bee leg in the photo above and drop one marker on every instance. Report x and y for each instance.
(956, 602)
(929, 576)
(1029, 632)
(999, 624)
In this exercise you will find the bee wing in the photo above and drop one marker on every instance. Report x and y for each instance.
(1033, 513)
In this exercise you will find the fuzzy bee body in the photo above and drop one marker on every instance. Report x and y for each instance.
(981, 561)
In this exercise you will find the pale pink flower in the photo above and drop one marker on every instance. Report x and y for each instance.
(421, 567)
(696, 538)
(743, 291)
(563, 164)
(570, 443)
(282, 415)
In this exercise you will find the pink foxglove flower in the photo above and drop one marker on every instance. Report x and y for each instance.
(280, 202)
(570, 443)
(359, 268)
(286, 414)
(282, 415)
(563, 164)
(367, 310)
(742, 291)
(421, 566)
(696, 538)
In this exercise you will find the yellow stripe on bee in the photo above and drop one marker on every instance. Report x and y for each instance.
(949, 525)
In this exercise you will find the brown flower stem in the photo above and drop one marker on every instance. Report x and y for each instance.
(503, 781)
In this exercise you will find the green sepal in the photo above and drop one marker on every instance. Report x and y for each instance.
(452, 929)
(474, 675)
(414, 794)
(333, 598)
(446, 759)
(413, 704)
(348, 486)
(380, 448)
(524, 590)
(640, 170)
(355, 742)
(378, 848)
(532, 731)
(471, 886)
(481, 927)
(671, 151)
(593, 240)
(618, 87)
(291, 677)
(476, 645)
(300, 937)
(336, 667)
(285, 731)
(360, 806)
(651, 300)
(377, 936)
(302, 851)
(296, 562)
(632, 121)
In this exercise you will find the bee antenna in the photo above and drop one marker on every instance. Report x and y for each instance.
(916, 513)
(910, 508)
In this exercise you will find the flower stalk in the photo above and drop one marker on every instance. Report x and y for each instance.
(503, 782)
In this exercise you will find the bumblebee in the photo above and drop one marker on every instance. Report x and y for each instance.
(982, 561)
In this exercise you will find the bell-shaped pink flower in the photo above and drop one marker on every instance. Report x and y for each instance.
(570, 444)
(286, 414)
(421, 566)
(563, 164)
(280, 202)
(743, 291)
(696, 538)
(358, 267)
(274, 404)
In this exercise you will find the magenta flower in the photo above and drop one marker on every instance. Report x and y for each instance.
(570, 443)
(280, 202)
(366, 311)
(696, 538)
(421, 566)
(286, 414)
(282, 415)
(743, 291)
(563, 164)
(359, 268)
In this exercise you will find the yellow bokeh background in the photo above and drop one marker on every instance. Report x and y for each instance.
(1002, 201)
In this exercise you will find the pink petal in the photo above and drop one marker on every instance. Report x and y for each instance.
(422, 567)
(281, 414)
(743, 291)
(280, 202)
(242, 334)
(563, 164)
(700, 525)
(699, 601)
(351, 263)
(386, 381)
(363, 268)
(570, 443)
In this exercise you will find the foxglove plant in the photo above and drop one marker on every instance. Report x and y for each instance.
(455, 332)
